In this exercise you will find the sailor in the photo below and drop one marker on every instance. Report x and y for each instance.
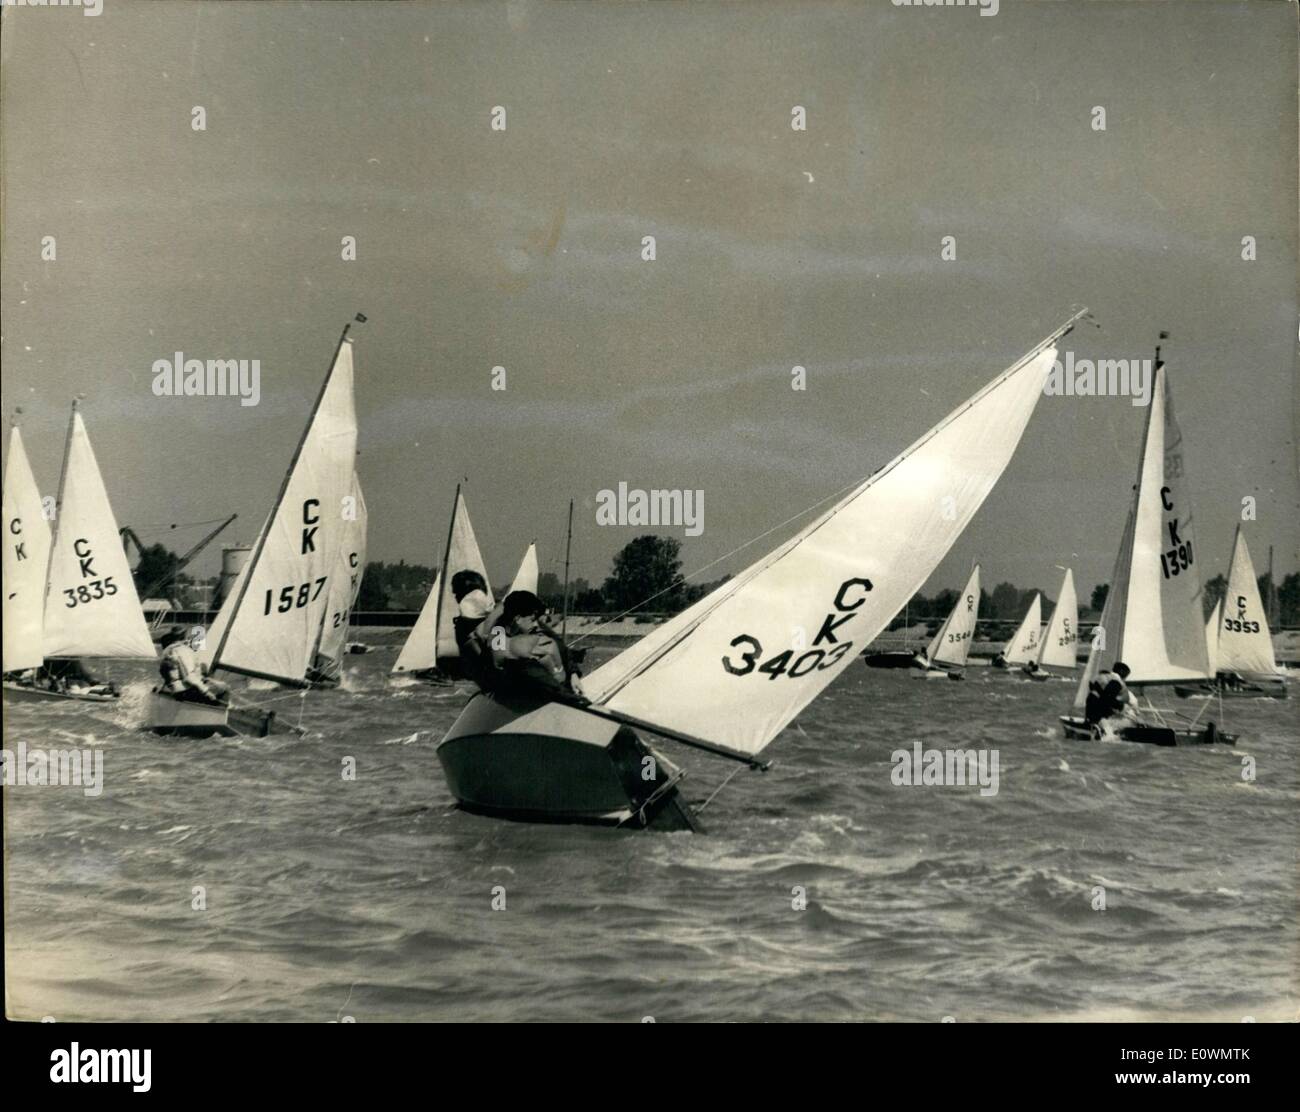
(473, 606)
(184, 675)
(527, 655)
(999, 661)
(1030, 669)
(68, 676)
(1109, 699)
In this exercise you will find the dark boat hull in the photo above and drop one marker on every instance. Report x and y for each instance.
(22, 693)
(889, 660)
(555, 763)
(1078, 729)
(170, 717)
(1248, 687)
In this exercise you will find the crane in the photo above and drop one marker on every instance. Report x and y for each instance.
(129, 535)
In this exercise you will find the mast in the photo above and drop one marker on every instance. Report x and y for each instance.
(568, 547)
(275, 509)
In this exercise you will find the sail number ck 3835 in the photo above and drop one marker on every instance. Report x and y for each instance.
(748, 657)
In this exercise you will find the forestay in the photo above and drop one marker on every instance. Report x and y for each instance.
(733, 669)
(91, 605)
(280, 601)
(26, 557)
(1060, 647)
(1245, 643)
(1159, 630)
(951, 645)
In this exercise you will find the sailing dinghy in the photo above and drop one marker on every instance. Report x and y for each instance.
(722, 676)
(947, 653)
(1058, 651)
(1238, 640)
(1153, 620)
(431, 652)
(91, 609)
(1023, 646)
(26, 557)
(270, 625)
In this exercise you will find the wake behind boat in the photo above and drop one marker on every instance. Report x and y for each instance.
(722, 676)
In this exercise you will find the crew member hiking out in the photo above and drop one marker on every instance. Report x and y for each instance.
(1109, 702)
(183, 674)
(524, 654)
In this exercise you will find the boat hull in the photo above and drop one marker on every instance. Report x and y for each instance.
(1249, 687)
(171, 717)
(554, 763)
(22, 693)
(1078, 729)
(889, 660)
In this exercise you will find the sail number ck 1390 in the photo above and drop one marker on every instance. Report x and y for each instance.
(748, 657)
(1178, 556)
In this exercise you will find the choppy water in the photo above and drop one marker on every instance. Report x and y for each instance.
(373, 898)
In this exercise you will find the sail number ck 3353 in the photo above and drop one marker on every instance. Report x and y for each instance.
(749, 651)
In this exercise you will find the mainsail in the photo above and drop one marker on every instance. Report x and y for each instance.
(1110, 610)
(345, 584)
(26, 557)
(91, 605)
(951, 645)
(1060, 643)
(1245, 644)
(433, 635)
(526, 577)
(1024, 644)
(1157, 627)
(1212, 624)
(731, 671)
(462, 555)
(279, 601)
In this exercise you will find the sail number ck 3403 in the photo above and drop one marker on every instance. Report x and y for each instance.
(749, 650)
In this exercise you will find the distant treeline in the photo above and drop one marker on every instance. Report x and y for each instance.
(647, 579)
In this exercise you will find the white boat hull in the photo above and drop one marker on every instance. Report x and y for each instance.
(182, 718)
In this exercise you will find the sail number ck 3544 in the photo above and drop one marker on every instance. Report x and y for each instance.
(746, 660)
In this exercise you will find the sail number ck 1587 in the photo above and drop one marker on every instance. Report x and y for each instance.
(749, 650)
(294, 597)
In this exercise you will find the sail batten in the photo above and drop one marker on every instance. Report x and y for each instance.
(91, 605)
(736, 667)
(280, 599)
(26, 557)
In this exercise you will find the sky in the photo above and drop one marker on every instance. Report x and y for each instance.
(774, 248)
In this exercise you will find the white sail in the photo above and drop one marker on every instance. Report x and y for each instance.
(462, 555)
(1245, 643)
(1024, 644)
(526, 577)
(1160, 632)
(26, 557)
(1114, 605)
(419, 652)
(1060, 647)
(91, 605)
(278, 607)
(1212, 625)
(345, 584)
(732, 670)
(951, 645)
